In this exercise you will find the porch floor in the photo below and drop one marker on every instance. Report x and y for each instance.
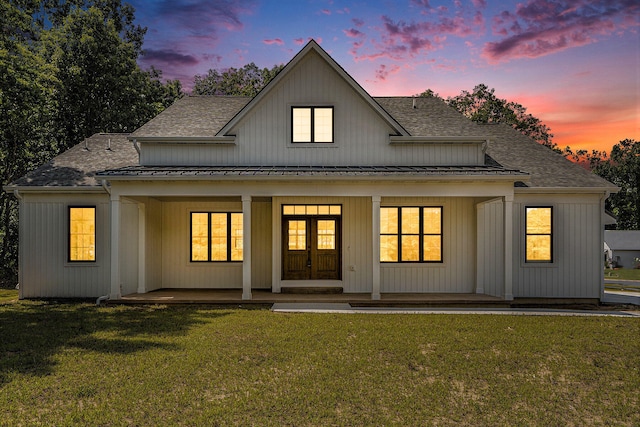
(259, 296)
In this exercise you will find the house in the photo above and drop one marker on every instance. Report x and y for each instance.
(312, 183)
(624, 247)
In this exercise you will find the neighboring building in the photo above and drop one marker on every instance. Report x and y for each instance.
(312, 183)
(624, 247)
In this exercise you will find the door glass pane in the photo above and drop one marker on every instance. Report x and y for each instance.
(288, 210)
(326, 234)
(410, 248)
(218, 237)
(323, 210)
(432, 248)
(236, 237)
(199, 249)
(410, 221)
(297, 235)
(432, 220)
(335, 209)
(302, 125)
(389, 220)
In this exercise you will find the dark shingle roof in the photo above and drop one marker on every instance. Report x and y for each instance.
(77, 166)
(193, 116)
(512, 149)
(204, 116)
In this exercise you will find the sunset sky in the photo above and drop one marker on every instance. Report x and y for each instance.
(575, 64)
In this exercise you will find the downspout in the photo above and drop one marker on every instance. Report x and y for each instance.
(104, 186)
(16, 193)
(136, 146)
(604, 197)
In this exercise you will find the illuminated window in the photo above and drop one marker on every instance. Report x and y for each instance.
(539, 240)
(216, 236)
(312, 124)
(82, 234)
(411, 234)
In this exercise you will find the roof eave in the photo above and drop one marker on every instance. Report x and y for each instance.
(566, 190)
(223, 140)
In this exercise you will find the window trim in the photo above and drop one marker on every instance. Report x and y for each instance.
(229, 237)
(313, 108)
(95, 234)
(551, 235)
(421, 234)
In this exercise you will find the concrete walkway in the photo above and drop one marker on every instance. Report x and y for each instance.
(345, 308)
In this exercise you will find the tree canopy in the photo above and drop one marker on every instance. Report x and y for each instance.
(245, 81)
(483, 106)
(67, 70)
(622, 168)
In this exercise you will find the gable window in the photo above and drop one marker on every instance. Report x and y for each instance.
(82, 233)
(216, 236)
(312, 124)
(411, 234)
(539, 234)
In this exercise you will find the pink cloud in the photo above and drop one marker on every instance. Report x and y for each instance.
(383, 71)
(353, 33)
(299, 41)
(326, 11)
(542, 27)
(357, 22)
(278, 42)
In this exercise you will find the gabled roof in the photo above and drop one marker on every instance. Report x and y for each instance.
(622, 240)
(312, 46)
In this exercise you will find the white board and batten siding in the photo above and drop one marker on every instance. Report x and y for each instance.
(263, 137)
(577, 249)
(45, 271)
(177, 269)
(456, 274)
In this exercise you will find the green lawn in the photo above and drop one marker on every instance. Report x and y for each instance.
(8, 295)
(78, 364)
(622, 273)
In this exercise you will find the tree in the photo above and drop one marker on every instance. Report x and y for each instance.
(246, 81)
(622, 168)
(483, 106)
(27, 108)
(67, 70)
(101, 87)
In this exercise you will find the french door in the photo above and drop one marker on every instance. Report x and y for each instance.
(311, 247)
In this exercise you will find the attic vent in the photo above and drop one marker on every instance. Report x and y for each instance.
(86, 145)
(109, 145)
(414, 103)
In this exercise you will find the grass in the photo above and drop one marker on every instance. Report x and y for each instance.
(8, 295)
(78, 364)
(622, 273)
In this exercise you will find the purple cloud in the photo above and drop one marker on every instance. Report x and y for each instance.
(205, 13)
(154, 57)
(541, 27)
(399, 40)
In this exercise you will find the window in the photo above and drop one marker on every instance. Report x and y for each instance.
(312, 124)
(411, 234)
(82, 233)
(216, 236)
(539, 229)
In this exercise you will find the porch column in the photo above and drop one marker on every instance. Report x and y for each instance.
(115, 247)
(246, 247)
(142, 239)
(508, 247)
(375, 237)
